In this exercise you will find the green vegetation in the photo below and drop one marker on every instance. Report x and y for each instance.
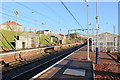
(45, 39)
(7, 37)
(69, 41)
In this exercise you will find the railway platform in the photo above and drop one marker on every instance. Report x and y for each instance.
(73, 67)
(69, 69)
(76, 67)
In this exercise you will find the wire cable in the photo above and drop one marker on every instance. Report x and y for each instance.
(34, 11)
(20, 19)
(23, 16)
(70, 13)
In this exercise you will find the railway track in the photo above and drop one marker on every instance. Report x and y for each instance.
(26, 71)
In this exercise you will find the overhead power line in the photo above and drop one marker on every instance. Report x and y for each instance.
(23, 16)
(70, 13)
(10, 17)
(49, 8)
(20, 19)
(25, 6)
(34, 11)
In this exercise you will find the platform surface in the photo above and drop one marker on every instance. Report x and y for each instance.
(73, 67)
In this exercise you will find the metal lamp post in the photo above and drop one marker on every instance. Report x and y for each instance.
(114, 47)
(16, 13)
(40, 34)
(97, 27)
(68, 37)
(39, 39)
(59, 30)
(92, 36)
(88, 53)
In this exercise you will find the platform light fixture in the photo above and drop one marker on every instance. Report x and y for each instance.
(16, 13)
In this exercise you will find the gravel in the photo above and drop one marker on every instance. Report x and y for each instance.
(107, 71)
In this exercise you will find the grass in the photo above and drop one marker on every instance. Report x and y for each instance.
(9, 36)
(69, 41)
(45, 39)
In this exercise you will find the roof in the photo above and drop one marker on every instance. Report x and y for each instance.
(26, 34)
(10, 23)
(102, 34)
(107, 34)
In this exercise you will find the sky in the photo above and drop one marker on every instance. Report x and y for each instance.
(57, 19)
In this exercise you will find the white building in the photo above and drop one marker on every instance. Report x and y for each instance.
(106, 41)
(27, 40)
(46, 32)
(11, 26)
(50, 33)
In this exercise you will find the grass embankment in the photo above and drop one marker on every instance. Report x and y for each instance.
(45, 39)
(7, 37)
(69, 41)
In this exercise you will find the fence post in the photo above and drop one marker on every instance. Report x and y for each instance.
(96, 55)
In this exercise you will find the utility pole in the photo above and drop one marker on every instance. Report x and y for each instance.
(59, 30)
(39, 38)
(97, 27)
(92, 40)
(42, 24)
(88, 52)
(81, 36)
(114, 38)
(68, 37)
(16, 13)
(1, 37)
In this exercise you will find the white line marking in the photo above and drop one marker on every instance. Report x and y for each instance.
(93, 70)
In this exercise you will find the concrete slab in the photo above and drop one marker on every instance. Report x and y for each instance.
(75, 72)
